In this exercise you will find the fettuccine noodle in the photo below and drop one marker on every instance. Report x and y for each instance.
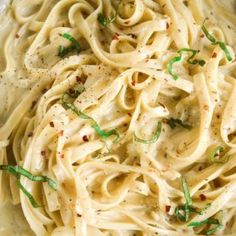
(144, 117)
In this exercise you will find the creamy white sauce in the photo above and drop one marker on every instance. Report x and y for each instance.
(12, 221)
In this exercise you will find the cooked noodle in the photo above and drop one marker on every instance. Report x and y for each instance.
(114, 176)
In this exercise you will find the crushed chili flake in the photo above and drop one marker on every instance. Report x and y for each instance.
(202, 197)
(61, 133)
(71, 91)
(168, 208)
(133, 82)
(202, 36)
(51, 124)
(127, 22)
(167, 25)
(214, 55)
(115, 36)
(79, 215)
(17, 36)
(129, 114)
(78, 79)
(85, 138)
(62, 156)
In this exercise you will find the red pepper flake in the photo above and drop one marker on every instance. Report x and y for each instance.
(115, 36)
(168, 208)
(85, 138)
(214, 55)
(129, 114)
(202, 197)
(30, 134)
(133, 82)
(167, 25)
(78, 215)
(62, 156)
(61, 133)
(71, 91)
(78, 79)
(127, 22)
(202, 36)
(17, 36)
(51, 124)
(43, 153)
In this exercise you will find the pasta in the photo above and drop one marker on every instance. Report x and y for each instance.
(118, 117)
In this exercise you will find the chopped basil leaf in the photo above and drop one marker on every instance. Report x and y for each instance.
(153, 139)
(105, 134)
(188, 202)
(62, 51)
(216, 155)
(28, 195)
(179, 58)
(18, 171)
(105, 21)
(210, 221)
(172, 122)
(97, 128)
(214, 41)
(187, 196)
(190, 59)
(170, 66)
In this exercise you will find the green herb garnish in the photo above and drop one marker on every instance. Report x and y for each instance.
(105, 21)
(18, 171)
(210, 221)
(62, 51)
(172, 122)
(204, 209)
(188, 202)
(153, 139)
(217, 157)
(27, 194)
(214, 41)
(95, 125)
(179, 58)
